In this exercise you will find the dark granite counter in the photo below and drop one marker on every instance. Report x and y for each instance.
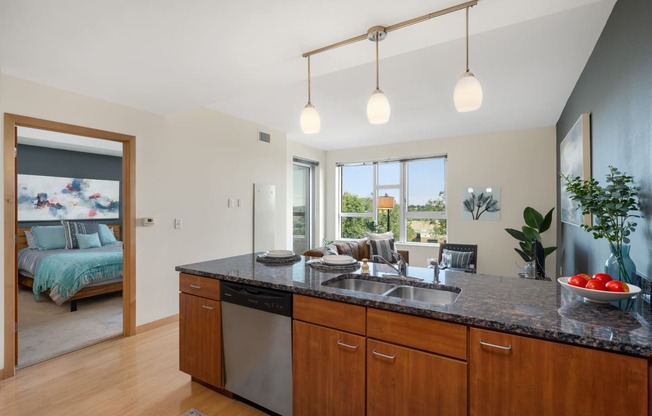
(541, 309)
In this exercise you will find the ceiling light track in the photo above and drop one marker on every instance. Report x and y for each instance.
(393, 27)
(467, 95)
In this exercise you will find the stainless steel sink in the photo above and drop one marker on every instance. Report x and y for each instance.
(423, 294)
(359, 285)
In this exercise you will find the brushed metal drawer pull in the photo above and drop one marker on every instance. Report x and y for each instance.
(389, 357)
(501, 347)
(195, 286)
(210, 308)
(353, 347)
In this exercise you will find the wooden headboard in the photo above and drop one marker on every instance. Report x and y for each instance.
(22, 240)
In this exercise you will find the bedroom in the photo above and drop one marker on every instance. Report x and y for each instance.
(63, 181)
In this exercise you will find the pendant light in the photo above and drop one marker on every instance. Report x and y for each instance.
(468, 91)
(310, 121)
(378, 106)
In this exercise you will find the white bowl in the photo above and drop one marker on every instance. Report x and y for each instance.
(279, 253)
(338, 260)
(599, 296)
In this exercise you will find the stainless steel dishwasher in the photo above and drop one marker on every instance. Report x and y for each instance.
(257, 333)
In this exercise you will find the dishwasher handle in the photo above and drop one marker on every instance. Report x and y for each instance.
(261, 298)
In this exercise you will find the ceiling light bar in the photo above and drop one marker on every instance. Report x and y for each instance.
(393, 27)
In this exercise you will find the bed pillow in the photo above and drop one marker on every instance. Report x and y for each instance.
(72, 228)
(456, 259)
(86, 241)
(31, 241)
(384, 249)
(49, 237)
(107, 237)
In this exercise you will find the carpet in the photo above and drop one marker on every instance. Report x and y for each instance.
(193, 412)
(47, 330)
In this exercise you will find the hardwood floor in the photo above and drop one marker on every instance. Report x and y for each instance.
(124, 376)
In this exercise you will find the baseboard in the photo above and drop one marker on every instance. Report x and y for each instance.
(156, 324)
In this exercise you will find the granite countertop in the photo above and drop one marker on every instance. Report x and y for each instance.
(541, 309)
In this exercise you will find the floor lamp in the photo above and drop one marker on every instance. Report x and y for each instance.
(386, 202)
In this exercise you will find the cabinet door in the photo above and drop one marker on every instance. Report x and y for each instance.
(200, 338)
(328, 369)
(518, 375)
(404, 381)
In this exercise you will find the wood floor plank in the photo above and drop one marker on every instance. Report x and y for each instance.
(125, 376)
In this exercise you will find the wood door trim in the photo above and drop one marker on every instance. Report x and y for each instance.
(11, 121)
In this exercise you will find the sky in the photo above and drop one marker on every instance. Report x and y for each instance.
(425, 179)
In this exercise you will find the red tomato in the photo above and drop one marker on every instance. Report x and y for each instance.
(617, 286)
(584, 276)
(577, 281)
(596, 285)
(603, 277)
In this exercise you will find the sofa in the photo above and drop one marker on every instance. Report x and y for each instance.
(357, 248)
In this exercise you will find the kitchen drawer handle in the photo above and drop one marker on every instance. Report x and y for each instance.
(353, 347)
(195, 286)
(208, 307)
(501, 347)
(389, 357)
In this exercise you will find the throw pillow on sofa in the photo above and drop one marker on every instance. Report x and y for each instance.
(456, 259)
(383, 248)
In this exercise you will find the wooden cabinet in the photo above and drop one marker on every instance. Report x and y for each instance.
(200, 323)
(512, 375)
(328, 360)
(328, 371)
(402, 380)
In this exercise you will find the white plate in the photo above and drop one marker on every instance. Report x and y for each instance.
(279, 253)
(338, 260)
(599, 296)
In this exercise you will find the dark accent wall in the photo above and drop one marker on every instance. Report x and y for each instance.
(44, 161)
(616, 88)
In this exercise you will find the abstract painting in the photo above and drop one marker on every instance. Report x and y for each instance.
(575, 160)
(481, 203)
(52, 198)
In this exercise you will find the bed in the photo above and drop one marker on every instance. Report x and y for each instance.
(70, 275)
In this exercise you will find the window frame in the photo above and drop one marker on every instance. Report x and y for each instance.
(403, 188)
(311, 209)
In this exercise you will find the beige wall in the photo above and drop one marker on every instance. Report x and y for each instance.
(522, 163)
(187, 166)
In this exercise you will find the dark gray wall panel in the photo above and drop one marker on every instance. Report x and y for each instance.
(616, 88)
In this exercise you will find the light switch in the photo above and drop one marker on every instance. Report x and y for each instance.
(178, 223)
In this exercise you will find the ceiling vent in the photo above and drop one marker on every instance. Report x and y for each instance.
(264, 137)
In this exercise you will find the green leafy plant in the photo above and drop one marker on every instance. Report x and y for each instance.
(530, 236)
(612, 207)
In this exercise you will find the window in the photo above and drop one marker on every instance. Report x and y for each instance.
(303, 211)
(407, 197)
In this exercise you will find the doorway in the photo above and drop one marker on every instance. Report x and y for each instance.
(12, 122)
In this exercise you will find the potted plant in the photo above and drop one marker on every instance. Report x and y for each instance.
(531, 250)
(612, 207)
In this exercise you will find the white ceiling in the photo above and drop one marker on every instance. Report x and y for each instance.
(244, 58)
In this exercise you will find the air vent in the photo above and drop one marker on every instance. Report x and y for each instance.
(264, 137)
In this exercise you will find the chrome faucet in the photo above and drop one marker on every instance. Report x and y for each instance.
(435, 266)
(400, 267)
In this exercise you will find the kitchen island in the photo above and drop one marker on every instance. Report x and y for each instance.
(493, 322)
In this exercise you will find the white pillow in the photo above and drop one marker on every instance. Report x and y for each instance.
(384, 236)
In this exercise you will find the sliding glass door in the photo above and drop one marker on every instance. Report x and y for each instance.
(303, 206)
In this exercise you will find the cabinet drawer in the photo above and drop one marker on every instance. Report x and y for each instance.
(199, 286)
(338, 315)
(413, 331)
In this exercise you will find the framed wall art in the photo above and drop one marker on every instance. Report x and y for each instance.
(52, 198)
(575, 160)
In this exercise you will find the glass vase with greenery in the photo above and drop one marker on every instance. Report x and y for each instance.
(613, 207)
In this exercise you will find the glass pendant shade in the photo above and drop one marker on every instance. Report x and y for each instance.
(468, 93)
(310, 121)
(378, 108)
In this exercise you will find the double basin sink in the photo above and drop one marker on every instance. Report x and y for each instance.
(440, 295)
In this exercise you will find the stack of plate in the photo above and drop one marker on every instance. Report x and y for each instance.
(338, 260)
(279, 254)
